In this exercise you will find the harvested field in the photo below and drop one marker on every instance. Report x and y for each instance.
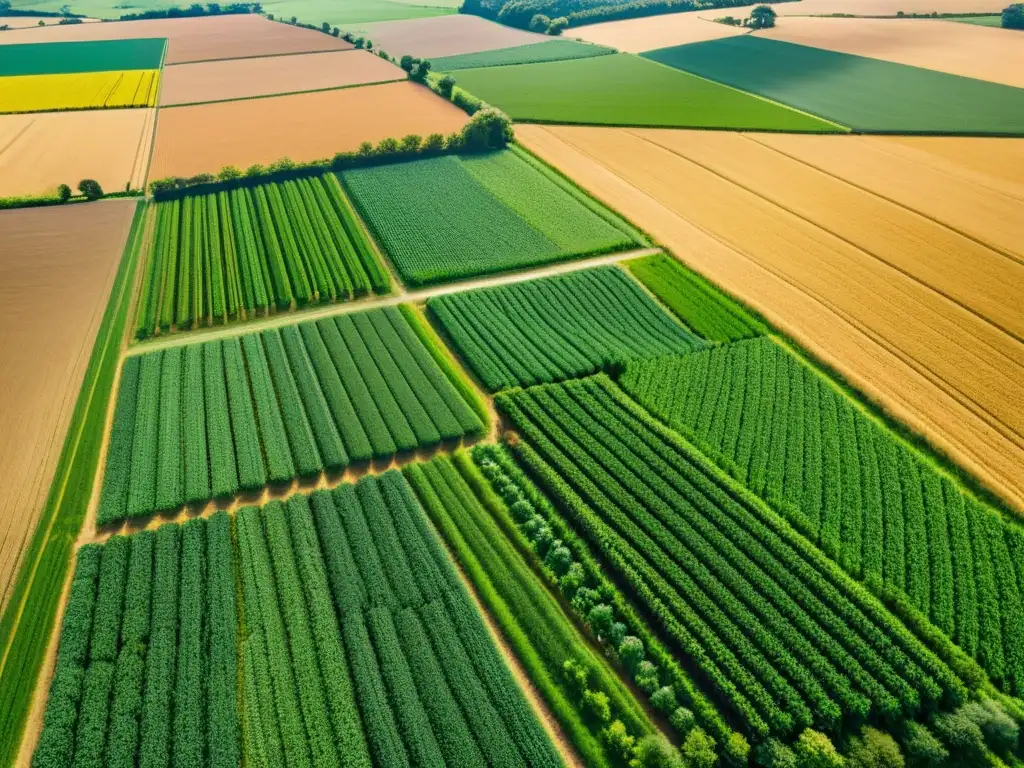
(948, 372)
(959, 49)
(58, 267)
(446, 36)
(303, 127)
(650, 32)
(249, 78)
(86, 56)
(84, 90)
(110, 145)
(196, 39)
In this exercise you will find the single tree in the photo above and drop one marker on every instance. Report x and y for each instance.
(91, 189)
(63, 193)
(557, 26)
(540, 23)
(325, 28)
(762, 17)
(445, 85)
(1013, 16)
(65, 10)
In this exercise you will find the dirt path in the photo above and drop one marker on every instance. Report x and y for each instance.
(374, 302)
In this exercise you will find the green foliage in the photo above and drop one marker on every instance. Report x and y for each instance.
(548, 329)
(874, 749)
(962, 737)
(488, 129)
(762, 17)
(655, 751)
(814, 749)
(1013, 16)
(63, 192)
(923, 749)
(533, 53)
(91, 189)
(698, 750)
(1001, 733)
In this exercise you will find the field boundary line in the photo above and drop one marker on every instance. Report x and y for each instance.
(285, 93)
(266, 55)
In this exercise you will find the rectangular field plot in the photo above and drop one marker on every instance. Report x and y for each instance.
(627, 90)
(209, 420)
(447, 36)
(305, 126)
(553, 50)
(453, 217)
(249, 78)
(864, 94)
(557, 327)
(351, 641)
(236, 253)
(88, 90)
(86, 56)
(779, 633)
(867, 499)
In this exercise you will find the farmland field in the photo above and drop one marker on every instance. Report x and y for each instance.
(89, 90)
(267, 76)
(237, 253)
(911, 362)
(865, 94)
(86, 56)
(557, 327)
(305, 126)
(867, 499)
(111, 146)
(627, 90)
(301, 400)
(444, 36)
(502, 212)
(359, 644)
(554, 50)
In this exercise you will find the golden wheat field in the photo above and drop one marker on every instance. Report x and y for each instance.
(86, 90)
(923, 319)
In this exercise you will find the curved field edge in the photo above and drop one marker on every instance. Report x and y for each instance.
(28, 619)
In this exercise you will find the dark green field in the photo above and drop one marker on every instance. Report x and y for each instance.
(866, 94)
(534, 53)
(84, 56)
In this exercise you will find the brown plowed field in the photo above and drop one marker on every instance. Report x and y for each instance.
(306, 126)
(870, 287)
(56, 274)
(267, 76)
(446, 36)
(986, 53)
(195, 39)
(41, 150)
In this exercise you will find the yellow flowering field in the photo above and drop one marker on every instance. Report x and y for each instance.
(86, 90)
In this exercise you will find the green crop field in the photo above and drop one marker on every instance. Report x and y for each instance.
(556, 327)
(234, 254)
(454, 217)
(207, 420)
(351, 641)
(624, 89)
(866, 498)
(865, 94)
(85, 56)
(981, 21)
(551, 50)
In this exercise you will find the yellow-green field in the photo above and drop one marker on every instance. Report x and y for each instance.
(87, 90)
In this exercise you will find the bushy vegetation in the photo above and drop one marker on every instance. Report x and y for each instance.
(233, 254)
(271, 406)
(782, 635)
(864, 496)
(557, 327)
(1013, 16)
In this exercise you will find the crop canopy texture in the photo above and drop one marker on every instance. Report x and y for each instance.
(82, 56)
(864, 94)
(627, 90)
(85, 90)
(551, 50)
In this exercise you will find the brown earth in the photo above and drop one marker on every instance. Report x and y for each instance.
(789, 242)
(57, 270)
(308, 126)
(446, 36)
(195, 39)
(986, 53)
(41, 150)
(266, 76)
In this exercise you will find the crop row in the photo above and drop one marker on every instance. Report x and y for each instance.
(208, 420)
(868, 499)
(781, 633)
(553, 328)
(233, 254)
(358, 646)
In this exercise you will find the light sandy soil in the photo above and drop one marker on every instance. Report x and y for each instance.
(947, 372)
(986, 53)
(41, 150)
(245, 78)
(446, 36)
(57, 270)
(195, 39)
(308, 126)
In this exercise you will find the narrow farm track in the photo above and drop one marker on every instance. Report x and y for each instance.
(281, 319)
(944, 371)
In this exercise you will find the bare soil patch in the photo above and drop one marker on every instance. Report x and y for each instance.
(926, 360)
(267, 76)
(308, 126)
(41, 150)
(446, 36)
(57, 270)
(196, 39)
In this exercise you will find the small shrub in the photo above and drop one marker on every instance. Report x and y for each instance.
(522, 510)
(922, 747)
(962, 737)
(681, 720)
(488, 129)
(646, 677)
(1000, 731)
(1013, 16)
(774, 754)
(91, 189)
(63, 192)
(600, 619)
(619, 741)
(557, 26)
(559, 560)
(596, 704)
(572, 580)
(874, 749)
(445, 86)
(631, 652)
(540, 23)
(664, 700)
(657, 752)
(698, 749)
(815, 750)
(228, 172)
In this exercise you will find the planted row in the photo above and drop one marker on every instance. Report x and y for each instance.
(208, 420)
(867, 498)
